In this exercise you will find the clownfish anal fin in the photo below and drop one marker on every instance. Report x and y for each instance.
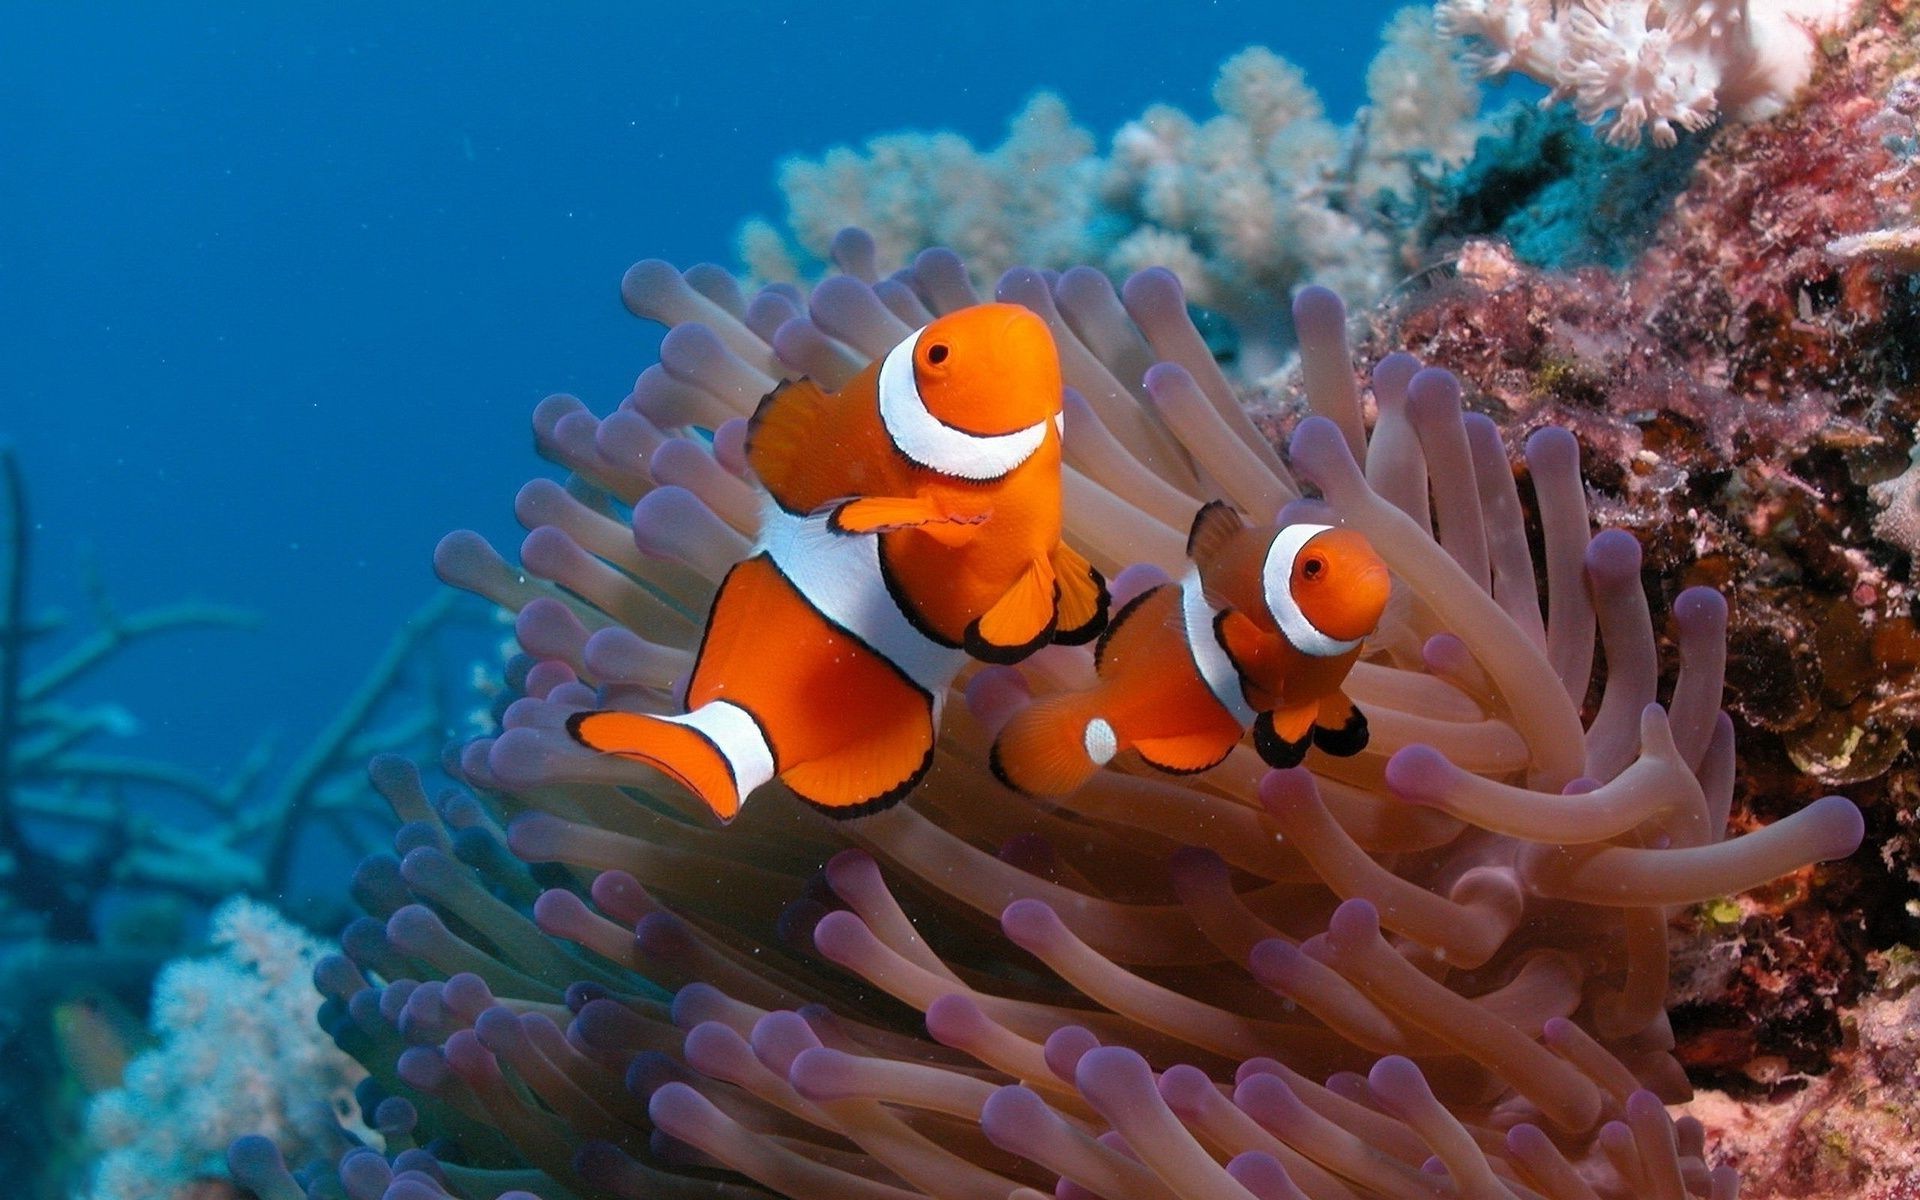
(1276, 749)
(1020, 621)
(888, 514)
(1083, 598)
(1345, 739)
(1185, 753)
(1213, 527)
(875, 770)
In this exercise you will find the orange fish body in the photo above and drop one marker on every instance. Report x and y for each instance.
(942, 451)
(1260, 634)
(912, 519)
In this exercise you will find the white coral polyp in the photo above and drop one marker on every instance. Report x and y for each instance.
(1653, 67)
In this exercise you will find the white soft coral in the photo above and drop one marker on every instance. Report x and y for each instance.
(1656, 66)
(239, 1052)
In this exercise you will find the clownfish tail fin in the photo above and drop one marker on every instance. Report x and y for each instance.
(1054, 745)
(718, 751)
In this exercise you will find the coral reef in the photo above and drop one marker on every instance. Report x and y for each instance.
(1851, 1133)
(73, 826)
(1653, 66)
(1441, 968)
(238, 1053)
(50, 888)
(1437, 968)
(1739, 393)
(106, 858)
(1559, 197)
(1244, 206)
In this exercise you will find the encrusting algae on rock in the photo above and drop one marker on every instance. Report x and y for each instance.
(1435, 968)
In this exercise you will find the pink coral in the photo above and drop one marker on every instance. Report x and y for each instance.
(1653, 64)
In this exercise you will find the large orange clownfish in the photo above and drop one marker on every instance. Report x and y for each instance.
(1260, 634)
(911, 519)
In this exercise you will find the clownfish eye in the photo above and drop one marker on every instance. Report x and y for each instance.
(937, 353)
(1314, 567)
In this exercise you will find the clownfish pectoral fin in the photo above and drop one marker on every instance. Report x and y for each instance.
(1020, 621)
(886, 514)
(1342, 736)
(1186, 753)
(1054, 745)
(1213, 527)
(1250, 647)
(1283, 738)
(693, 751)
(1083, 598)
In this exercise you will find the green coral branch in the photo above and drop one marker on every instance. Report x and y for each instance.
(119, 631)
(247, 840)
(335, 745)
(13, 640)
(125, 769)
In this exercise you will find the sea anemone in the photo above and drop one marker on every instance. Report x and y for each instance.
(1434, 969)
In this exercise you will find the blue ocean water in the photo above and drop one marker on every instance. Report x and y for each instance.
(283, 282)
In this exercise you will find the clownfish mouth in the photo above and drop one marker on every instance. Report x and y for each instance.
(932, 443)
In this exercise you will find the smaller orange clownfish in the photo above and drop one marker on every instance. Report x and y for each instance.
(910, 520)
(1260, 634)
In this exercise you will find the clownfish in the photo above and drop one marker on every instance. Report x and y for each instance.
(1260, 634)
(909, 521)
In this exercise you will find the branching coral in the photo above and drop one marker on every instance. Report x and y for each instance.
(1244, 206)
(73, 825)
(239, 1054)
(48, 889)
(1436, 969)
(105, 855)
(1027, 200)
(1659, 66)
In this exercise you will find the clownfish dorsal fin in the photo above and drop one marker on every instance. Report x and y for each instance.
(779, 431)
(1213, 527)
(811, 448)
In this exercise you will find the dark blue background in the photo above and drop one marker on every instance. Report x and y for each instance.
(279, 284)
